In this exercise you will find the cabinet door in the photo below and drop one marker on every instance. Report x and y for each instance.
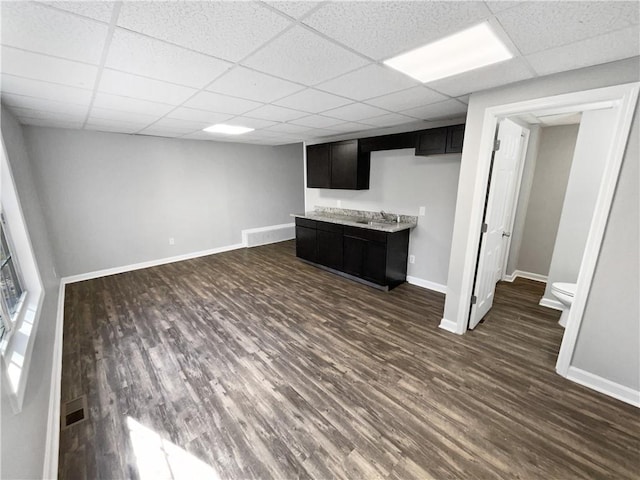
(329, 249)
(318, 166)
(455, 135)
(432, 142)
(344, 164)
(375, 263)
(353, 255)
(306, 243)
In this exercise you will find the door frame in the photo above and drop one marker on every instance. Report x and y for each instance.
(622, 97)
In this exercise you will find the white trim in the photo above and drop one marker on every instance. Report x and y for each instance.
(536, 277)
(449, 326)
(420, 282)
(551, 303)
(602, 385)
(613, 163)
(151, 263)
(52, 446)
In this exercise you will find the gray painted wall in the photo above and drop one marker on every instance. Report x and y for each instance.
(593, 142)
(113, 200)
(552, 168)
(24, 434)
(401, 182)
(608, 340)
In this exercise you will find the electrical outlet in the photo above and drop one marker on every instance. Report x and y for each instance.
(412, 259)
(172, 241)
(422, 211)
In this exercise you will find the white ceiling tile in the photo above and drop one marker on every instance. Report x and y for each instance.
(45, 90)
(175, 125)
(388, 120)
(288, 128)
(41, 29)
(256, 123)
(245, 83)
(275, 113)
(131, 123)
(316, 121)
(502, 73)
(160, 132)
(370, 81)
(93, 9)
(215, 102)
(184, 113)
(302, 56)
(117, 102)
(383, 29)
(446, 109)
(116, 116)
(500, 5)
(464, 99)
(410, 98)
(135, 53)
(355, 112)
(293, 9)
(536, 26)
(70, 116)
(127, 85)
(40, 104)
(349, 127)
(605, 48)
(43, 122)
(228, 30)
(312, 101)
(46, 68)
(111, 128)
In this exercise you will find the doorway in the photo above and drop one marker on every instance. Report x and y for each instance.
(623, 100)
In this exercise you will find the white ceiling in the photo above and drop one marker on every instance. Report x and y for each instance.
(291, 70)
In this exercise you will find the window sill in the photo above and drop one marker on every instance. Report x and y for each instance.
(16, 355)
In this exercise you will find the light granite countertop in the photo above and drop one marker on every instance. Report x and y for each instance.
(361, 219)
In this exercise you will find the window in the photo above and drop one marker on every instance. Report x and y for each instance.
(10, 283)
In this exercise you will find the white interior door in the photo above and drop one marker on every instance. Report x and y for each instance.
(502, 184)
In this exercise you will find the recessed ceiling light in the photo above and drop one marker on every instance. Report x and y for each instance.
(228, 129)
(472, 48)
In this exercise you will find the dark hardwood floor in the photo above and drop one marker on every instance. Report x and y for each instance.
(253, 364)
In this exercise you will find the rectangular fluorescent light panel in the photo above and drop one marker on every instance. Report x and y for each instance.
(469, 49)
(228, 129)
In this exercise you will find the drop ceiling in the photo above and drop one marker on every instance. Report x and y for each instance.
(291, 70)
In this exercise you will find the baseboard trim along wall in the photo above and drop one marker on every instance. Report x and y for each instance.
(449, 326)
(602, 385)
(551, 303)
(420, 282)
(52, 446)
(254, 237)
(531, 276)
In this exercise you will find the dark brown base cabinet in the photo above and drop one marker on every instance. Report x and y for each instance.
(378, 258)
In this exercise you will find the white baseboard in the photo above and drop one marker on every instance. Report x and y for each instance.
(528, 275)
(254, 237)
(551, 303)
(50, 467)
(602, 385)
(436, 287)
(449, 326)
(151, 263)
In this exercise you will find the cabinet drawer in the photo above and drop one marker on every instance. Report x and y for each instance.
(305, 222)
(366, 234)
(329, 227)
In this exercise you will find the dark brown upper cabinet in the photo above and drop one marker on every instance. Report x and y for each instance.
(339, 165)
(438, 141)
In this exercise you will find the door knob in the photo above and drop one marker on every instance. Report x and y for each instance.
(506, 234)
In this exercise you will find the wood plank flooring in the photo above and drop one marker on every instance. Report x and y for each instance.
(254, 365)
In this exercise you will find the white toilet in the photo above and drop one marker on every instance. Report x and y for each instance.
(565, 293)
